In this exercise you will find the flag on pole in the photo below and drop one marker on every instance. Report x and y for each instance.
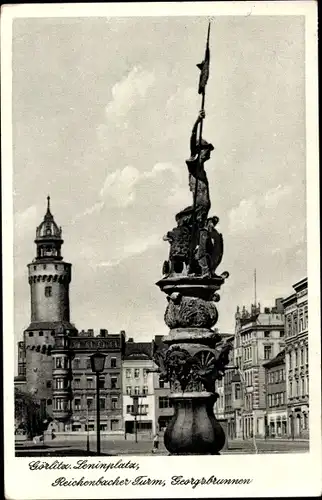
(204, 67)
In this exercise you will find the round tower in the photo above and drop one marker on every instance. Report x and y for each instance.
(49, 278)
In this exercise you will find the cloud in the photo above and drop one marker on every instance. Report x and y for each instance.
(129, 92)
(118, 186)
(136, 247)
(122, 187)
(256, 211)
(26, 219)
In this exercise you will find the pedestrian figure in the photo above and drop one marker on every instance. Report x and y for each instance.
(155, 443)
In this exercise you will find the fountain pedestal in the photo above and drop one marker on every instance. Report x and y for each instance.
(192, 358)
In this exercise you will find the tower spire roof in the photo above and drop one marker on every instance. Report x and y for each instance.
(48, 230)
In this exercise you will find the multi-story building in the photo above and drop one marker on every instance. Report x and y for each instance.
(297, 360)
(84, 381)
(276, 407)
(259, 337)
(224, 406)
(53, 358)
(138, 373)
(163, 407)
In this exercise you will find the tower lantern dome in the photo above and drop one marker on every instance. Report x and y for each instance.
(48, 237)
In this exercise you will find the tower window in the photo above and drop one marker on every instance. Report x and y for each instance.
(41, 334)
(56, 267)
(35, 268)
(44, 266)
(48, 291)
(31, 334)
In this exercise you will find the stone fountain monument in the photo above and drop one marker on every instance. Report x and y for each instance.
(193, 356)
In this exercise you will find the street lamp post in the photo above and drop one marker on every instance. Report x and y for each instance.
(97, 363)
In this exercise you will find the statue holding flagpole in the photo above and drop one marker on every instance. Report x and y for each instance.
(194, 355)
(195, 248)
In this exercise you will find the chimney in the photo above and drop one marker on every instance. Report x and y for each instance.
(103, 332)
(267, 310)
(130, 339)
(279, 305)
(90, 332)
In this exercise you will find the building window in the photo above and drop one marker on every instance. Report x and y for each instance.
(60, 383)
(128, 390)
(129, 409)
(48, 385)
(88, 364)
(270, 400)
(161, 383)
(297, 388)
(128, 373)
(145, 389)
(302, 387)
(76, 383)
(302, 356)
(291, 389)
(60, 404)
(90, 384)
(101, 382)
(114, 403)
(31, 334)
(113, 382)
(89, 403)
(102, 404)
(281, 333)
(59, 363)
(77, 404)
(136, 373)
(136, 390)
(145, 373)
(41, 334)
(164, 402)
(266, 334)
(76, 363)
(237, 391)
(49, 402)
(290, 361)
(267, 351)
(48, 291)
(113, 362)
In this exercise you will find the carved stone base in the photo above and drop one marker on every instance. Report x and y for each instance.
(194, 429)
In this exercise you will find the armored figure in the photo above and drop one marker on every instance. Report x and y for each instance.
(210, 248)
(199, 154)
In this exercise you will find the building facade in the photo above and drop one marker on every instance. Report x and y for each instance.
(297, 360)
(83, 383)
(259, 337)
(54, 358)
(276, 405)
(138, 373)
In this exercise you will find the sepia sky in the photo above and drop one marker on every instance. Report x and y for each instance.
(102, 114)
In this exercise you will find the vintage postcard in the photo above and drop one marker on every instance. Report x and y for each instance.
(161, 250)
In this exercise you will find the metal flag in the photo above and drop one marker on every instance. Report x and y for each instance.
(204, 67)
